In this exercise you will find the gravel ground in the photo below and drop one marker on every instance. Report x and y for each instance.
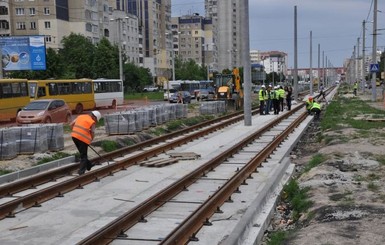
(347, 191)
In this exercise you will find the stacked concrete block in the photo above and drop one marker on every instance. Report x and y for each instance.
(120, 123)
(152, 117)
(55, 136)
(31, 139)
(212, 107)
(137, 120)
(7, 144)
(171, 110)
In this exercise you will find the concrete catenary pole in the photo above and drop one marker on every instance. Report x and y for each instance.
(363, 54)
(374, 51)
(311, 63)
(318, 67)
(246, 64)
(295, 56)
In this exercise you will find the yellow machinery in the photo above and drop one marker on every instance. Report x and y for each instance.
(229, 88)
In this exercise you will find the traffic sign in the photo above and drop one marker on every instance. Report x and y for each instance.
(374, 68)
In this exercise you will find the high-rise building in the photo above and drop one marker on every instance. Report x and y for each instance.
(154, 20)
(193, 34)
(228, 26)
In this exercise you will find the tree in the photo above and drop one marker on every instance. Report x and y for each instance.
(189, 70)
(106, 60)
(136, 77)
(78, 53)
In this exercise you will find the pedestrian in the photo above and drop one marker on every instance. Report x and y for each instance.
(276, 100)
(281, 93)
(316, 110)
(309, 104)
(180, 97)
(355, 87)
(83, 132)
(322, 92)
(268, 100)
(289, 94)
(262, 97)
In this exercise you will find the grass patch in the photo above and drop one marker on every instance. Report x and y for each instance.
(277, 238)
(315, 161)
(108, 145)
(144, 95)
(3, 171)
(343, 112)
(56, 156)
(380, 159)
(373, 187)
(297, 197)
(174, 125)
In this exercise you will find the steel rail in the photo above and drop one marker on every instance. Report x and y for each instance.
(51, 175)
(9, 209)
(117, 227)
(188, 229)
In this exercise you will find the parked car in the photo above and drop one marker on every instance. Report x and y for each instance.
(45, 111)
(205, 94)
(256, 89)
(150, 89)
(186, 97)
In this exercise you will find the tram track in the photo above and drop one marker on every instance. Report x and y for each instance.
(153, 147)
(192, 223)
(122, 160)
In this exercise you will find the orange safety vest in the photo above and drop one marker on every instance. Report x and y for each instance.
(82, 128)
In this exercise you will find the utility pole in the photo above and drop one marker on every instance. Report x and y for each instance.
(246, 65)
(374, 51)
(311, 64)
(295, 56)
(363, 53)
(319, 71)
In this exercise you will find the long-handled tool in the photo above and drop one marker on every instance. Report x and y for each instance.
(99, 155)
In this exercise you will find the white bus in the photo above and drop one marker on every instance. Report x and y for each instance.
(170, 87)
(108, 92)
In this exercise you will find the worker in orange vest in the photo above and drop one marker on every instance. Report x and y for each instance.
(83, 130)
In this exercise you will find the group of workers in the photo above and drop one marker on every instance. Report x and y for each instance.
(273, 99)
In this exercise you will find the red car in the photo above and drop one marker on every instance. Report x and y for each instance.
(45, 111)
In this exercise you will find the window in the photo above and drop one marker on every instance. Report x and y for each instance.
(19, 11)
(32, 11)
(3, 10)
(20, 25)
(48, 39)
(47, 25)
(46, 11)
(88, 27)
(33, 25)
(4, 24)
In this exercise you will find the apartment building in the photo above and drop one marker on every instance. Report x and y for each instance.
(154, 24)
(193, 39)
(228, 26)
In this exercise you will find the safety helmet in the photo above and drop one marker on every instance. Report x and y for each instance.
(97, 115)
(263, 86)
(310, 98)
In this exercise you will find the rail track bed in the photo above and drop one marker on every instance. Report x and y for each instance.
(158, 192)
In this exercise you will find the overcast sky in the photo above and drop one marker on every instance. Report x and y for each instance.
(335, 25)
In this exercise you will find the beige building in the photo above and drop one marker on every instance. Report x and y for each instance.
(193, 39)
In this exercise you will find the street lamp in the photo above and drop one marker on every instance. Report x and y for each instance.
(120, 46)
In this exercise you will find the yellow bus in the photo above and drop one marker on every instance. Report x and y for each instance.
(77, 93)
(14, 96)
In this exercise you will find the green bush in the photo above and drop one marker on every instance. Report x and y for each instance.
(56, 156)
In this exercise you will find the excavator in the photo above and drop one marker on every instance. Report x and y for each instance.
(229, 88)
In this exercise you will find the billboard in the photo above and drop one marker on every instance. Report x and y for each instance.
(23, 53)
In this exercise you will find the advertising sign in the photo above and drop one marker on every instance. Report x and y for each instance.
(23, 53)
